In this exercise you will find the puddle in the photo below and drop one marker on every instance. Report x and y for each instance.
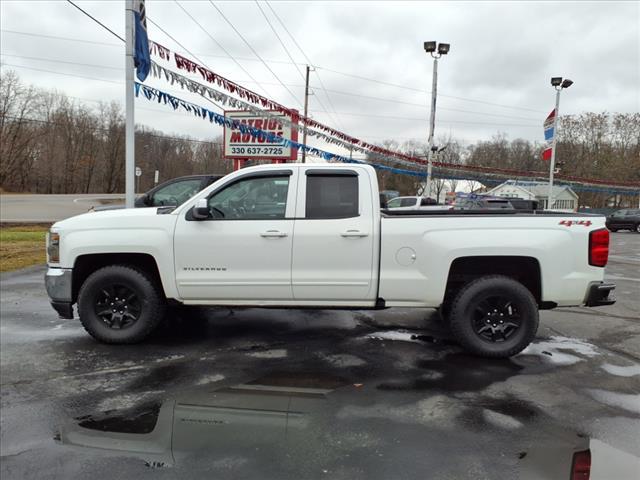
(628, 371)
(210, 379)
(626, 401)
(457, 372)
(561, 350)
(276, 353)
(343, 360)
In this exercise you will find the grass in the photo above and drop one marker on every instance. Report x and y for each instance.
(21, 246)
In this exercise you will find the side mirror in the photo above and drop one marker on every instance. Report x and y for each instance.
(201, 209)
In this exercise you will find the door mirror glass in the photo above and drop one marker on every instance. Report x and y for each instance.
(201, 209)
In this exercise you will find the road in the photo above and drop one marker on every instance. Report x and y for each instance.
(49, 208)
(370, 395)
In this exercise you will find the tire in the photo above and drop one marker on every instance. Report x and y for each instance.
(637, 228)
(613, 229)
(494, 316)
(119, 304)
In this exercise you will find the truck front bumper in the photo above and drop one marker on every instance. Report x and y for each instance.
(58, 284)
(600, 293)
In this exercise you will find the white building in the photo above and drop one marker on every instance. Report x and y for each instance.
(564, 198)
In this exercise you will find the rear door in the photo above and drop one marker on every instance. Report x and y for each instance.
(333, 242)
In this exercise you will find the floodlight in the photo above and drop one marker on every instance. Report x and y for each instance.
(429, 47)
(556, 81)
(567, 83)
(443, 48)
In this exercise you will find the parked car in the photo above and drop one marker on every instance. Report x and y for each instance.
(628, 219)
(173, 192)
(483, 203)
(415, 203)
(313, 235)
(523, 204)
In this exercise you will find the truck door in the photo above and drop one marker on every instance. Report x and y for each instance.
(243, 249)
(333, 241)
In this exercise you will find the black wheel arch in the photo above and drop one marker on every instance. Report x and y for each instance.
(525, 270)
(85, 265)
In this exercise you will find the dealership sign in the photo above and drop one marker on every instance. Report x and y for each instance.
(247, 146)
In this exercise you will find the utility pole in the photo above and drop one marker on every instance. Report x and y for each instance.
(442, 49)
(129, 108)
(559, 85)
(432, 125)
(306, 113)
(552, 162)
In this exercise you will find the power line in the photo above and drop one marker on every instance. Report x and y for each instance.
(293, 62)
(382, 99)
(186, 50)
(41, 59)
(306, 58)
(60, 73)
(443, 121)
(217, 43)
(97, 21)
(80, 40)
(405, 87)
(275, 32)
(254, 52)
(322, 106)
(186, 139)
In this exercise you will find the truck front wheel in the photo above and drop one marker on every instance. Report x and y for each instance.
(120, 304)
(494, 316)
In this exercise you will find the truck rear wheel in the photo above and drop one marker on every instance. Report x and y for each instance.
(494, 316)
(120, 304)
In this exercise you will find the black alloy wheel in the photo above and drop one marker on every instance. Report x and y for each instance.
(496, 318)
(118, 306)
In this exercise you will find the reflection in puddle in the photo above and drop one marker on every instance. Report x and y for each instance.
(290, 418)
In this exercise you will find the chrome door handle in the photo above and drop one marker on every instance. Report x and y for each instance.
(354, 233)
(273, 234)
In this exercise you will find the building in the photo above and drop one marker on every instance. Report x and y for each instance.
(564, 197)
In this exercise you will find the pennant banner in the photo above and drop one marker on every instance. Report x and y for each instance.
(334, 136)
(158, 96)
(141, 58)
(549, 132)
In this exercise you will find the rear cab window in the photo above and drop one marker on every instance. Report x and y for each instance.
(331, 194)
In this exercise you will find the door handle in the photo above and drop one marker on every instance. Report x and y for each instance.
(354, 233)
(273, 234)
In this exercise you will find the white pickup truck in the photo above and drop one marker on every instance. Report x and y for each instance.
(313, 235)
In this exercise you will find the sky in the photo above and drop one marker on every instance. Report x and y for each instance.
(372, 77)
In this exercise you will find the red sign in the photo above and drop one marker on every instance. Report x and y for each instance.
(238, 145)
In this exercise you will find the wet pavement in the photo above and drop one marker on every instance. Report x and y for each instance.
(252, 393)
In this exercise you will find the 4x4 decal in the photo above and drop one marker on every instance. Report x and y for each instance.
(568, 223)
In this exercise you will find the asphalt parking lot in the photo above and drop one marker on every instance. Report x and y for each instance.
(319, 394)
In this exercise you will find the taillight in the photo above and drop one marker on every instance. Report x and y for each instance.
(581, 465)
(599, 247)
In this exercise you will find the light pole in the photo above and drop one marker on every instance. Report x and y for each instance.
(559, 85)
(436, 53)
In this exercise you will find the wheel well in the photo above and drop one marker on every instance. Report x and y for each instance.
(85, 265)
(525, 270)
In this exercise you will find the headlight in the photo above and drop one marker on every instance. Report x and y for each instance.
(53, 247)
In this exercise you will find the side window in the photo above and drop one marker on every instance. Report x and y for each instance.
(260, 198)
(176, 193)
(408, 202)
(332, 196)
